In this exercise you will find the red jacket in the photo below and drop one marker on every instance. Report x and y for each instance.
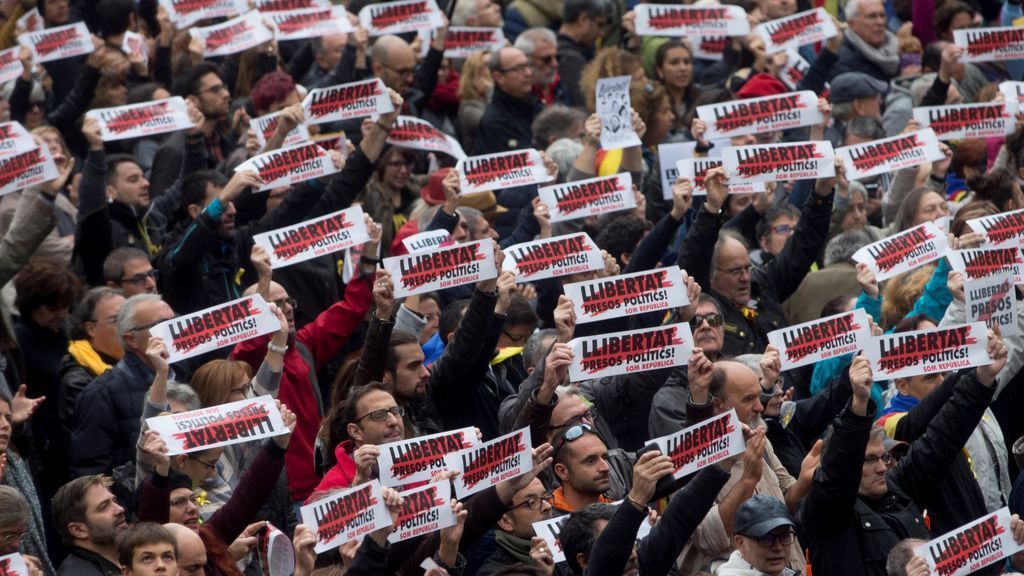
(323, 338)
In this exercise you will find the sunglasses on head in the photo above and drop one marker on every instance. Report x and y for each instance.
(572, 434)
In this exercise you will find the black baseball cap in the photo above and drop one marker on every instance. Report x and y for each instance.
(760, 515)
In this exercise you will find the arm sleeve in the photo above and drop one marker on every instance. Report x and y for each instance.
(92, 442)
(331, 329)
(375, 351)
(66, 116)
(695, 256)
(936, 95)
(155, 499)
(443, 221)
(33, 221)
(817, 74)
(426, 74)
(250, 495)
(451, 383)
(787, 270)
(649, 251)
(408, 321)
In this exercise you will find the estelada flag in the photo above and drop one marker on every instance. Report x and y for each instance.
(58, 43)
(400, 17)
(236, 35)
(145, 119)
(797, 30)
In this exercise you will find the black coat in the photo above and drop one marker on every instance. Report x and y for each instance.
(81, 562)
(507, 123)
(852, 60)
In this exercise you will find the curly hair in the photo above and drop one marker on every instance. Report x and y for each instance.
(607, 63)
(901, 292)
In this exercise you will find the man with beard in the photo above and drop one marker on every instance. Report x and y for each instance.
(514, 532)
(583, 470)
(88, 519)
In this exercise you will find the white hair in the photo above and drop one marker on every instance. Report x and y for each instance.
(126, 315)
(528, 40)
(851, 9)
(464, 10)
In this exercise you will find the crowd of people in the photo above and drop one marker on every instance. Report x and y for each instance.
(843, 472)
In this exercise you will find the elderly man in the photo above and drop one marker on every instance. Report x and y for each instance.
(506, 122)
(482, 13)
(541, 46)
(394, 63)
(854, 95)
(762, 530)
(868, 46)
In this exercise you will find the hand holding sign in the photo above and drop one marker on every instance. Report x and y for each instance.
(156, 352)
(716, 184)
(860, 380)
(997, 352)
(384, 294)
(541, 555)
(542, 457)
(304, 542)
(651, 467)
(154, 449)
(365, 457)
(682, 197)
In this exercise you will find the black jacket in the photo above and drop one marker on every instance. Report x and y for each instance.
(507, 123)
(572, 58)
(809, 421)
(770, 284)
(81, 562)
(852, 60)
(73, 379)
(848, 534)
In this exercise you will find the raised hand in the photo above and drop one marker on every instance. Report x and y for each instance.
(997, 352)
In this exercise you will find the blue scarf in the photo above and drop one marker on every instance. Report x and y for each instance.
(900, 403)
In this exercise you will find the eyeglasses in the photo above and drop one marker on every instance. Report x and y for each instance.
(713, 319)
(546, 60)
(141, 277)
(738, 271)
(574, 433)
(886, 459)
(784, 229)
(243, 390)
(212, 466)
(147, 326)
(517, 338)
(769, 540)
(289, 301)
(110, 321)
(401, 71)
(12, 537)
(382, 414)
(180, 501)
(516, 68)
(535, 504)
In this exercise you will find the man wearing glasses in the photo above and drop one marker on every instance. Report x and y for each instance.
(762, 533)
(514, 531)
(129, 270)
(506, 123)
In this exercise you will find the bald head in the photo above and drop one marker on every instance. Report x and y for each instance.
(394, 62)
(191, 551)
(512, 72)
(735, 385)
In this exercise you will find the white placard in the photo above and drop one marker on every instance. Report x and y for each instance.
(551, 257)
(309, 23)
(222, 425)
(797, 30)
(411, 132)
(611, 97)
(1001, 230)
(757, 115)
(627, 294)
(13, 565)
(501, 170)
(684, 21)
(20, 170)
(346, 515)
(464, 41)
(903, 252)
(215, 327)
(962, 551)
(630, 351)
(10, 64)
(549, 530)
(286, 5)
(928, 351)
(964, 121)
(426, 241)
(703, 444)
(709, 47)
(990, 44)
(890, 154)
(977, 263)
(400, 17)
(236, 35)
(992, 300)
(591, 197)
(347, 101)
(442, 268)
(779, 162)
(424, 510)
(1012, 91)
(793, 73)
(185, 13)
(668, 156)
(486, 464)
(418, 459)
(818, 340)
(265, 126)
(145, 119)
(697, 168)
(276, 555)
(30, 21)
(135, 44)
(313, 238)
(14, 139)
(287, 166)
(58, 43)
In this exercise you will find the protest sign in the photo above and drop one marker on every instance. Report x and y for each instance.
(758, 115)
(411, 132)
(428, 240)
(347, 101)
(964, 121)
(30, 21)
(145, 119)
(441, 268)
(346, 515)
(287, 166)
(486, 464)
(312, 238)
(10, 64)
(58, 43)
(134, 44)
(221, 425)
(13, 565)
(990, 44)
(818, 340)
(265, 126)
(551, 257)
(992, 300)
(19, 170)
(703, 444)
(904, 251)
(613, 108)
(965, 550)
(309, 23)
(977, 263)
(591, 197)
(792, 74)
(668, 156)
(215, 327)
(1001, 230)
(400, 17)
(549, 531)
(418, 459)
(890, 154)
(708, 47)
(682, 20)
(275, 552)
(1012, 91)
(630, 351)
(797, 30)
(424, 510)
(501, 170)
(927, 351)
(14, 138)
(627, 294)
(695, 169)
(236, 35)
(780, 162)
(464, 41)
(286, 5)
(185, 13)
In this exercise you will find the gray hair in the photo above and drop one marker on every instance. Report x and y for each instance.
(723, 236)
(564, 152)
(528, 40)
(14, 509)
(464, 10)
(535, 346)
(900, 556)
(566, 390)
(554, 121)
(842, 247)
(472, 216)
(183, 394)
(851, 9)
(126, 316)
(752, 361)
(842, 111)
(864, 127)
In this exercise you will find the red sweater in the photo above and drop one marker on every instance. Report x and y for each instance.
(323, 337)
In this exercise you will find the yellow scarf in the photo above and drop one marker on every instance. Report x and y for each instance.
(506, 353)
(83, 353)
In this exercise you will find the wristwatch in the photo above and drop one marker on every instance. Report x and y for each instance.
(277, 349)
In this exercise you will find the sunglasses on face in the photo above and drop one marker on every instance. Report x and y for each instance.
(714, 319)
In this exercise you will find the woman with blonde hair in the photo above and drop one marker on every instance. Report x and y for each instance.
(609, 63)
(475, 86)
